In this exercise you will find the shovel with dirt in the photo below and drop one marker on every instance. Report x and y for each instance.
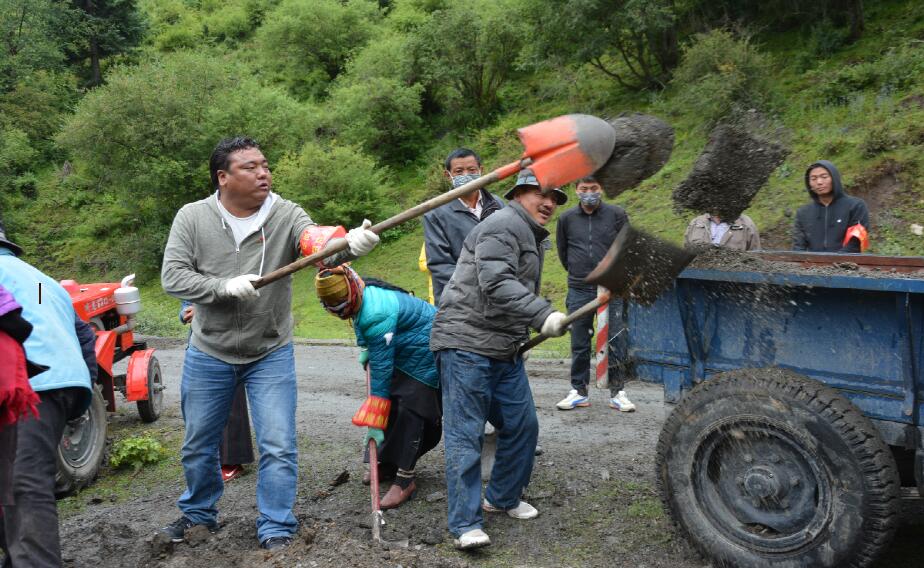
(637, 267)
(557, 151)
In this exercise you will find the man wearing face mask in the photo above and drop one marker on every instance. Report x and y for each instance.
(584, 234)
(446, 227)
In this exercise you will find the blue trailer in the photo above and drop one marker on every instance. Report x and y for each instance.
(798, 405)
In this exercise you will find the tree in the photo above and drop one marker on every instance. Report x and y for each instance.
(141, 142)
(305, 44)
(337, 185)
(381, 115)
(469, 50)
(33, 35)
(634, 42)
(106, 27)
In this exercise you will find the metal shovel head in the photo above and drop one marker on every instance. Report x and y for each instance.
(567, 148)
(378, 523)
(639, 266)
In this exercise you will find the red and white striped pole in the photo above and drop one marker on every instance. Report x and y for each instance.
(601, 344)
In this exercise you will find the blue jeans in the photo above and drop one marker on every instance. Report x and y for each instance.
(582, 333)
(206, 392)
(478, 388)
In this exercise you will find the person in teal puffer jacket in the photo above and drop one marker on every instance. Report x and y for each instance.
(403, 412)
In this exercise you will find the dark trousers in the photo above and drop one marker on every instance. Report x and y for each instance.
(7, 458)
(29, 532)
(582, 333)
(236, 444)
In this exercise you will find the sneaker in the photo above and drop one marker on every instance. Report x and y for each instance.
(176, 530)
(573, 400)
(523, 510)
(475, 538)
(229, 472)
(276, 542)
(622, 403)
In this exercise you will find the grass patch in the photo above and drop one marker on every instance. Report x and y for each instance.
(118, 485)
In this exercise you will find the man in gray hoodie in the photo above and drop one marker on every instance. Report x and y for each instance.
(217, 248)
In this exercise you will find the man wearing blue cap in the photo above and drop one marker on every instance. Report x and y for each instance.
(485, 314)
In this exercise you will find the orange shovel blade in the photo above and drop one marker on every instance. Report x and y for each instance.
(567, 148)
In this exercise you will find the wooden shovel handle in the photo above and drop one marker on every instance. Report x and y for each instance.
(338, 245)
(588, 308)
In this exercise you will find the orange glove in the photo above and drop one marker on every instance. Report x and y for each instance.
(315, 237)
(373, 413)
(858, 232)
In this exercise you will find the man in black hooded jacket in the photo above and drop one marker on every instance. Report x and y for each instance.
(824, 224)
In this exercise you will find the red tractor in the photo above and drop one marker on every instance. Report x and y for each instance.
(110, 308)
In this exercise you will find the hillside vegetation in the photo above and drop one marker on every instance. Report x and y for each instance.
(108, 114)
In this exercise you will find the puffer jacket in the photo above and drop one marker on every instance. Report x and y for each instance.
(822, 229)
(395, 327)
(493, 296)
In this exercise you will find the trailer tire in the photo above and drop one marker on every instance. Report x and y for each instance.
(82, 448)
(761, 467)
(150, 409)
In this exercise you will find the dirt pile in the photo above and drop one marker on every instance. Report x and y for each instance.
(643, 145)
(735, 164)
(717, 258)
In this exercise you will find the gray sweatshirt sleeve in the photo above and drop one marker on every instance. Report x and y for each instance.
(178, 274)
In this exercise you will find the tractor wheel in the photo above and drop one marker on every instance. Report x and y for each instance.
(764, 467)
(82, 448)
(150, 409)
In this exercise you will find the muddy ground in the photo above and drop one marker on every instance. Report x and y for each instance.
(593, 486)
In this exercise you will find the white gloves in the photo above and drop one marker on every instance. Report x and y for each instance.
(241, 287)
(361, 240)
(553, 326)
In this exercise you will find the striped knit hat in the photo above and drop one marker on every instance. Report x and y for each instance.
(340, 290)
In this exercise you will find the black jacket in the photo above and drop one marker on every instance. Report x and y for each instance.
(822, 229)
(583, 238)
(493, 296)
(445, 229)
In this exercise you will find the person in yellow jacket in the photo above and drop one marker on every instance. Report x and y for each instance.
(422, 264)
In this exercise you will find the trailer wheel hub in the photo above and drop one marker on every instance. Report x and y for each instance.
(762, 483)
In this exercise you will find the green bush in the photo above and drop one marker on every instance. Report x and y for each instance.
(720, 73)
(898, 69)
(141, 144)
(381, 116)
(827, 38)
(337, 185)
(136, 451)
(305, 44)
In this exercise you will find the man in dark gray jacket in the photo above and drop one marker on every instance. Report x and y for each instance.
(584, 235)
(485, 314)
(446, 227)
(217, 248)
(833, 221)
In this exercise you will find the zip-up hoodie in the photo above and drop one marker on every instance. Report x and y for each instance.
(821, 229)
(201, 257)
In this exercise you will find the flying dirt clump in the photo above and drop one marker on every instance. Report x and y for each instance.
(643, 145)
(735, 164)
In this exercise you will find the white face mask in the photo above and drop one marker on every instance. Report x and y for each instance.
(460, 180)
